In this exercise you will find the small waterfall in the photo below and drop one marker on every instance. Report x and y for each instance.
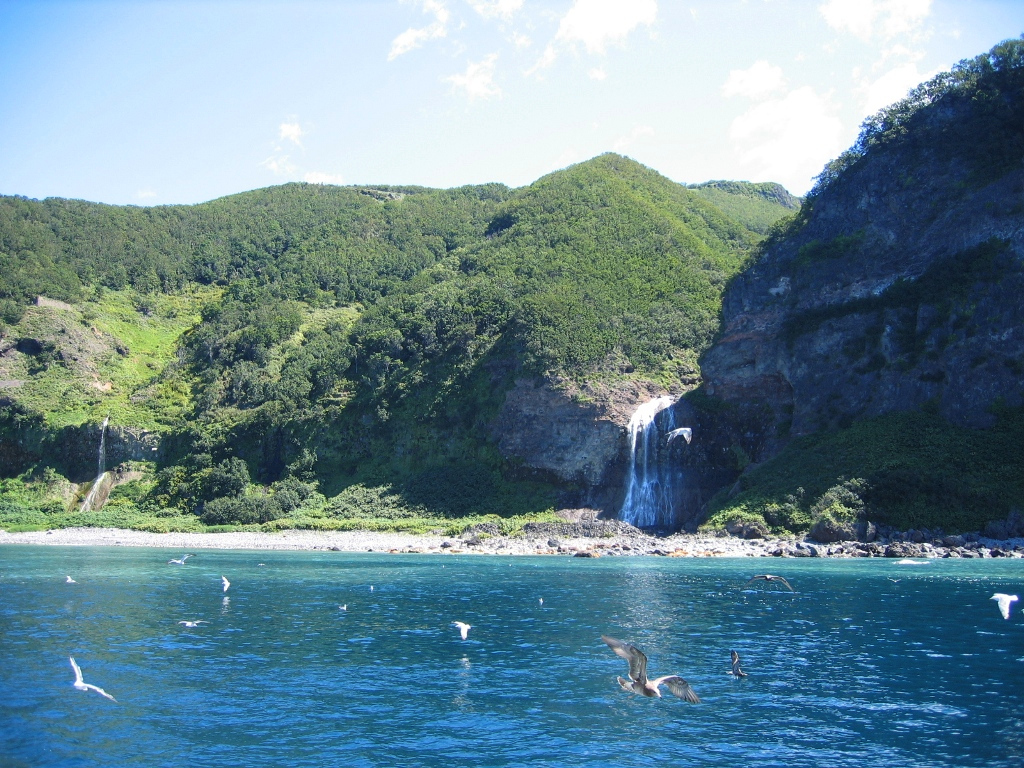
(91, 497)
(649, 500)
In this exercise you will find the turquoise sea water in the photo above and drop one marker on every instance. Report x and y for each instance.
(910, 665)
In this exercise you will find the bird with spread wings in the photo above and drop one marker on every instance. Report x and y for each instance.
(638, 682)
(769, 578)
(81, 685)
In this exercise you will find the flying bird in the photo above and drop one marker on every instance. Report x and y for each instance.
(70, 581)
(638, 682)
(81, 685)
(1005, 601)
(172, 561)
(769, 578)
(226, 583)
(343, 607)
(736, 671)
(685, 432)
(463, 628)
(193, 623)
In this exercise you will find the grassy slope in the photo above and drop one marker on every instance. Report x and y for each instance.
(107, 359)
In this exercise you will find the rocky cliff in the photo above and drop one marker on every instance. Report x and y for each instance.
(899, 285)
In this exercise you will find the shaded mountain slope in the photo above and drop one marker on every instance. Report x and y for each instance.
(896, 289)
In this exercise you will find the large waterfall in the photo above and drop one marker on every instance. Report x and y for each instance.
(91, 497)
(650, 492)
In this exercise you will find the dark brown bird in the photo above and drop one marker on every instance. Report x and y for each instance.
(769, 578)
(736, 671)
(638, 682)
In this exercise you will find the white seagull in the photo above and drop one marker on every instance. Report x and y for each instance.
(343, 607)
(193, 623)
(463, 628)
(81, 685)
(685, 432)
(70, 581)
(172, 561)
(638, 682)
(1005, 601)
(226, 583)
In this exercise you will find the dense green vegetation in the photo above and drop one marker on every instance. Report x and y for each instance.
(293, 344)
(983, 92)
(755, 206)
(905, 470)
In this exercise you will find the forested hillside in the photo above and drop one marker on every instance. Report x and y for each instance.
(304, 342)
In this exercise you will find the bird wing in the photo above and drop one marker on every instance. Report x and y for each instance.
(735, 661)
(1004, 602)
(98, 690)
(753, 579)
(78, 671)
(636, 658)
(225, 582)
(679, 687)
(779, 578)
(686, 433)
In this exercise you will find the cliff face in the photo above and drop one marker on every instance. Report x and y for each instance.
(573, 436)
(900, 287)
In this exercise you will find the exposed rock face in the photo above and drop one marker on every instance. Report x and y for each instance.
(577, 437)
(74, 450)
(902, 288)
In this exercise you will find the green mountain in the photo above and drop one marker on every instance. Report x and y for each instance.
(308, 354)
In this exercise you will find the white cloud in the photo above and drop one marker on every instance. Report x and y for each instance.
(145, 194)
(415, 37)
(890, 87)
(756, 82)
(597, 23)
(866, 18)
(504, 9)
(279, 164)
(788, 139)
(625, 142)
(292, 132)
(318, 177)
(478, 79)
(597, 73)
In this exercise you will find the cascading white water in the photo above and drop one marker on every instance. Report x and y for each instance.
(87, 504)
(648, 500)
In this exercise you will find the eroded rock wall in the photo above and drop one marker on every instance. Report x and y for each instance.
(901, 291)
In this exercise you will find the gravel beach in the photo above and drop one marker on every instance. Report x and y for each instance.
(599, 539)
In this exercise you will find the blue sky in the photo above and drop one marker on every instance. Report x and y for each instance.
(163, 101)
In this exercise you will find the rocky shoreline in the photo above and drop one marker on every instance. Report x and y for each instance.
(610, 538)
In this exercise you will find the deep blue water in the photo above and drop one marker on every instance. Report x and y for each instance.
(853, 666)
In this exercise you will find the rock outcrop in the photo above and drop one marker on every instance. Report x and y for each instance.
(899, 287)
(575, 437)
